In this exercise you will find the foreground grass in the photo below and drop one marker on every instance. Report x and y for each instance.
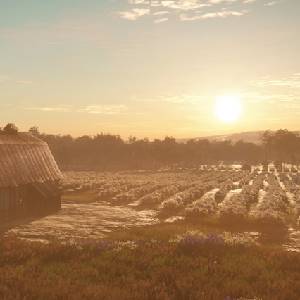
(146, 269)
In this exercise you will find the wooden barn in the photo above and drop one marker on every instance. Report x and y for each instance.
(29, 176)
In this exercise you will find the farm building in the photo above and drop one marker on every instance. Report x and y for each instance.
(29, 176)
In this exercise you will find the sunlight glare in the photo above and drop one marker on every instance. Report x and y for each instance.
(228, 108)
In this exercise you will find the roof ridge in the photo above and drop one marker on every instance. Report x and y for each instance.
(20, 138)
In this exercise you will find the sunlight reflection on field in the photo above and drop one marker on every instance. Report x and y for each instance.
(81, 221)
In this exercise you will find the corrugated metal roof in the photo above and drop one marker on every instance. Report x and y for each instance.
(25, 159)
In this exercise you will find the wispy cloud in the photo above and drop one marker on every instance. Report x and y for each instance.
(269, 96)
(103, 109)
(134, 14)
(292, 81)
(271, 3)
(161, 20)
(173, 99)
(50, 108)
(212, 15)
(24, 82)
(276, 94)
(5, 79)
(190, 10)
(160, 13)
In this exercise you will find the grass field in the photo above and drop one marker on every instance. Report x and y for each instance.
(144, 263)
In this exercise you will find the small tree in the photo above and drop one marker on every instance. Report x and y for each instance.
(11, 128)
(34, 131)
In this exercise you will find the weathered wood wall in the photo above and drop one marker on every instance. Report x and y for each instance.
(10, 199)
(30, 199)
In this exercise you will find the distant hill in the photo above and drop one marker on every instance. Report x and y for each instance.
(250, 137)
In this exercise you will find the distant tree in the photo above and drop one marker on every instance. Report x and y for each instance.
(132, 139)
(169, 140)
(267, 141)
(285, 144)
(11, 128)
(34, 130)
(282, 145)
(267, 137)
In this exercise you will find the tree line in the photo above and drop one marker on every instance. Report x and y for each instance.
(111, 152)
(106, 152)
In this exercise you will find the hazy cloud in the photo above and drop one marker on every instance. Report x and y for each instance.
(3, 78)
(85, 29)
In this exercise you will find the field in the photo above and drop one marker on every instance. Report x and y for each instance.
(263, 204)
(207, 233)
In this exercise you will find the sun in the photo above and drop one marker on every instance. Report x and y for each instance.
(228, 108)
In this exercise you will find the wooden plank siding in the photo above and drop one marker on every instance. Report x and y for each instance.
(10, 199)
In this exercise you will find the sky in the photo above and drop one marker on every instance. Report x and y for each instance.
(149, 68)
